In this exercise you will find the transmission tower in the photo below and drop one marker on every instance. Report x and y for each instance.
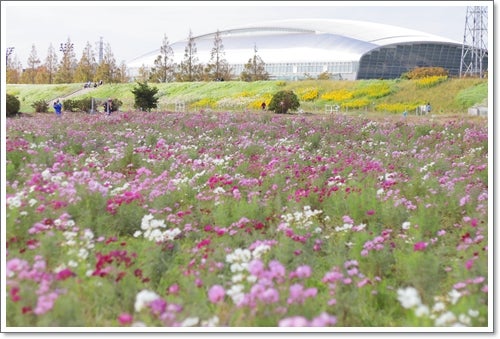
(474, 46)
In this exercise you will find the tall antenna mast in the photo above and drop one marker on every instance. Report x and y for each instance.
(474, 46)
(100, 51)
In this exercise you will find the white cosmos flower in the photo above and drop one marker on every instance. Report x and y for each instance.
(143, 298)
(191, 321)
(409, 297)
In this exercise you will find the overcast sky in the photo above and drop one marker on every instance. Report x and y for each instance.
(136, 28)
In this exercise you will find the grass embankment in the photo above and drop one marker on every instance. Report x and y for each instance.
(384, 96)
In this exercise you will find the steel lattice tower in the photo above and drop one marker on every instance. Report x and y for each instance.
(474, 46)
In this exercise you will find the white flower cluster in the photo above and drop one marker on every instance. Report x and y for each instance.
(239, 261)
(117, 190)
(152, 230)
(15, 201)
(79, 243)
(92, 159)
(301, 219)
(410, 299)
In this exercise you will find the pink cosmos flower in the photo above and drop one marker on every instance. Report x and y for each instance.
(296, 321)
(174, 289)
(64, 274)
(125, 319)
(216, 294)
(419, 246)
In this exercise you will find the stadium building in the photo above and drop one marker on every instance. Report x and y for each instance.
(346, 49)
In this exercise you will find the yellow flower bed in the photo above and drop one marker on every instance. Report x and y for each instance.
(204, 103)
(357, 103)
(244, 94)
(256, 104)
(396, 108)
(374, 91)
(338, 95)
(430, 81)
(308, 94)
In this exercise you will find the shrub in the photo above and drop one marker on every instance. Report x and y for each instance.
(145, 96)
(283, 101)
(70, 105)
(40, 106)
(423, 72)
(12, 105)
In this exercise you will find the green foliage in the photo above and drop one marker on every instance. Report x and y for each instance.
(472, 95)
(12, 105)
(40, 106)
(145, 96)
(283, 101)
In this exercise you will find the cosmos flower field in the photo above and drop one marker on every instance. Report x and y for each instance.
(237, 220)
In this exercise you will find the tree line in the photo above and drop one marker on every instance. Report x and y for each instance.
(70, 70)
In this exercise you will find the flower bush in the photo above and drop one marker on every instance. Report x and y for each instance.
(245, 220)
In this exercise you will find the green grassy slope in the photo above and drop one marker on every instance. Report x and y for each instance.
(450, 96)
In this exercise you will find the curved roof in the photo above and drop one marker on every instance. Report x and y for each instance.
(299, 40)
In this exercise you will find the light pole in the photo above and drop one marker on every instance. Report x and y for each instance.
(9, 51)
(66, 48)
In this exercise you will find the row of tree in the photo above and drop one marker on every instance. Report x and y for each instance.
(164, 69)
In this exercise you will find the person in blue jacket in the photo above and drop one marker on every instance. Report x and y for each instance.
(58, 107)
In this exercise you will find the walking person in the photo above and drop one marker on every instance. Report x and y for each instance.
(58, 108)
(108, 106)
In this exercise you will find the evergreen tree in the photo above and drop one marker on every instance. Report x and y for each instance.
(86, 68)
(145, 96)
(67, 66)
(254, 69)
(51, 64)
(163, 69)
(218, 67)
(190, 68)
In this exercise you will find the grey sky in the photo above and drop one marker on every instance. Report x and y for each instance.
(135, 28)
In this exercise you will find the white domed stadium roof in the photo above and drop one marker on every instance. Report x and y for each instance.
(298, 40)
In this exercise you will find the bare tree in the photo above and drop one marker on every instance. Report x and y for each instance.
(190, 68)
(51, 64)
(254, 69)
(163, 69)
(218, 67)
(29, 74)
